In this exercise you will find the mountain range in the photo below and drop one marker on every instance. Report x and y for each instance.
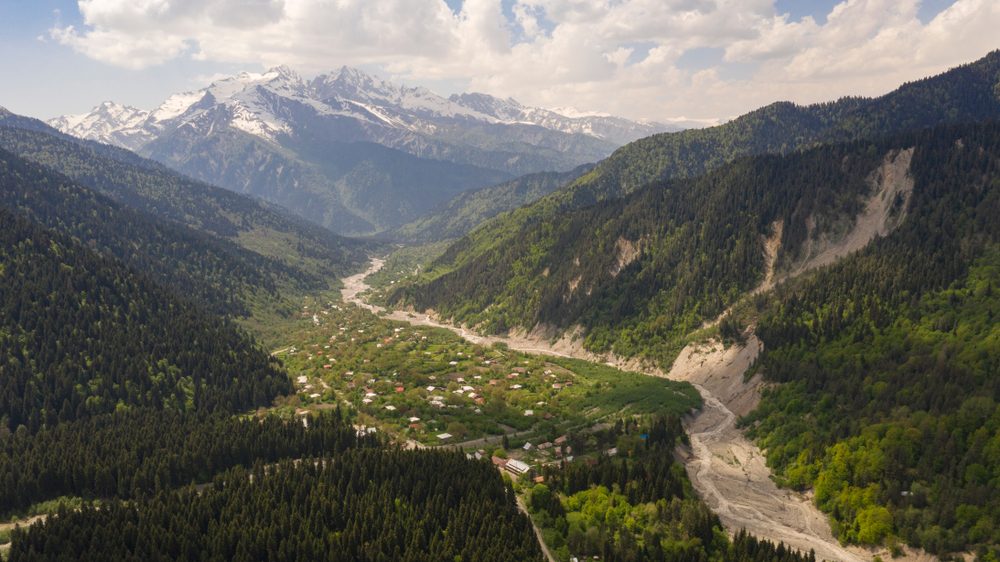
(348, 150)
(261, 104)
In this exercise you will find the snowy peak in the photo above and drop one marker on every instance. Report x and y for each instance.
(105, 117)
(386, 98)
(105, 123)
(276, 102)
(356, 85)
(176, 105)
(574, 113)
(506, 110)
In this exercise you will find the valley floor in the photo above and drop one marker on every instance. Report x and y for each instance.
(727, 470)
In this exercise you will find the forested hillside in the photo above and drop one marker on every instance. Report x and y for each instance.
(366, 504)
(966, 93)
(641, 272)
(461, 214)
(82, 335)
(215, 273)
(154, 451)
(148, 186)
(889, 363)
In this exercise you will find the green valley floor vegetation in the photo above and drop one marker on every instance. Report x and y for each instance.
(419, 382)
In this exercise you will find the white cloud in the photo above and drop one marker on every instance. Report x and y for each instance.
(560, 52)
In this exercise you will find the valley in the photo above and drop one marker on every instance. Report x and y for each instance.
(330, 316)
(727, 470)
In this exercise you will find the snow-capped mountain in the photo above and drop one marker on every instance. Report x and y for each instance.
(274, 103)
(307, 145)
(110, 123)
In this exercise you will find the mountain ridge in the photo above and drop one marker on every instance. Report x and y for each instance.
(966, 92)
(346, 92)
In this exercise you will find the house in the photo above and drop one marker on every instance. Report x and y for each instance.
(391, 408)
(527, 446)
(557, 386)
(561, 440)
(528, 413)
(400, 389)
(444, 436)
(539, 479)
(515, 387)
(499, 463)
(611, 452)
(327, 366)
(493, 382)
(547, 417)
(414, 426)
(517, 467)
(544, 446)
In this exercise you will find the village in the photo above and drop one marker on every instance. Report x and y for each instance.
(427, 387)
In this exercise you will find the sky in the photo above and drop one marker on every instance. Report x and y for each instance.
(658, 60)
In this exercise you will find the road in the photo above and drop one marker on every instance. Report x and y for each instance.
(538, 532)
